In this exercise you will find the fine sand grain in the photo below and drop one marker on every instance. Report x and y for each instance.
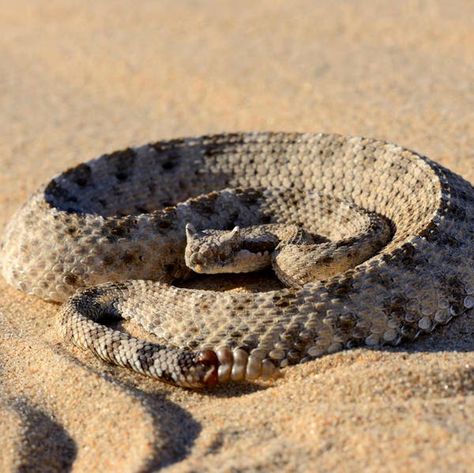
(82, 78)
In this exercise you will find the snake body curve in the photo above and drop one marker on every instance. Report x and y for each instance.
(115, 226)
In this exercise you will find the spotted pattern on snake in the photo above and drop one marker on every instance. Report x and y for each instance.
(111, 234)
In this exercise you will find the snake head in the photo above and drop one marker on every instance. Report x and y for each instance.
(223, 251)
(211, 251)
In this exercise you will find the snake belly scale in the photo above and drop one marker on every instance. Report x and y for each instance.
(108, 237)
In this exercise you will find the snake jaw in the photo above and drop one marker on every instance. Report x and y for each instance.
(209, 360)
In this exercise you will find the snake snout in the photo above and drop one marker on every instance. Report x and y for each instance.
(195, 263)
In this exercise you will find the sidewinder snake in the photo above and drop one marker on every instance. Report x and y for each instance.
(108, 237)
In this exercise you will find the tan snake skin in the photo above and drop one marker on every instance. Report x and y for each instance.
(114, 220)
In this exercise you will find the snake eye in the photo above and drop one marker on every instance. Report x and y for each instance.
(206, 253)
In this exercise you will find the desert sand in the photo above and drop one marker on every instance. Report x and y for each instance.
(82, 78)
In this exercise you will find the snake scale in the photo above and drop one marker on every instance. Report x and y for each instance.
(108, 237)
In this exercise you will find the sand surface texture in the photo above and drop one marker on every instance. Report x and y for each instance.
(78, 79)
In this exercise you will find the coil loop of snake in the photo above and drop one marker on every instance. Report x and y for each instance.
(372, 243)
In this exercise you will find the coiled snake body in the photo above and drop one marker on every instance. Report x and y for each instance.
(116, 226)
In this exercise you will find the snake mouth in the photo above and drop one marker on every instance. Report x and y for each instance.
(242, 261)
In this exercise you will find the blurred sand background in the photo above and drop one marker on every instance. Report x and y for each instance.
(78, 79)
